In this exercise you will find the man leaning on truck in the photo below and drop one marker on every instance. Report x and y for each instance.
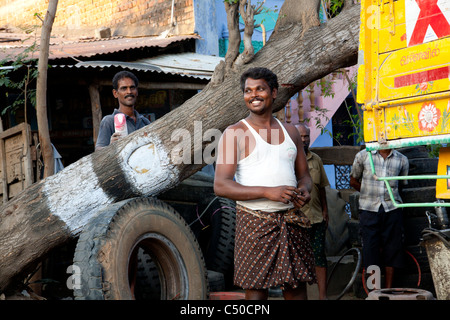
(380, 221)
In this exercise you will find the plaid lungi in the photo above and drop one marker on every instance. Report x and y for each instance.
(270, 252)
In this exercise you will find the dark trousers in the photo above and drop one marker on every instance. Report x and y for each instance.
(382, 236)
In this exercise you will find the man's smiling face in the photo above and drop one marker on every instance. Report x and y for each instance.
(126, 93)
(258, 96)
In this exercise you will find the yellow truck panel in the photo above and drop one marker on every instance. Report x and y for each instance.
(414, 71)
(392, 29)
(443, 185)
(404, 77)
(404, 68)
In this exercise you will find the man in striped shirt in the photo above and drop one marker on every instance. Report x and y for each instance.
(381, 222)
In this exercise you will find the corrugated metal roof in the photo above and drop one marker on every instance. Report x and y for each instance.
(60, 49)
(121, 64)
(192, 65)
(188, 64)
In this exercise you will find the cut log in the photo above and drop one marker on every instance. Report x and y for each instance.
(49, 213)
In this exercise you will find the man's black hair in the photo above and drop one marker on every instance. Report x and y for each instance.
(124, 74)
(260, 73)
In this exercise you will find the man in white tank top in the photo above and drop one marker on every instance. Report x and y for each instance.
(262, 166)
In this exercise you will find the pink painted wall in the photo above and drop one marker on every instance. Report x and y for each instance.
(341, 90)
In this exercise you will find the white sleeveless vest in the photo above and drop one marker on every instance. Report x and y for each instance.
(268, 165)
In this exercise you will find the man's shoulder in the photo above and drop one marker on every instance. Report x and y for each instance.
(315, 156)
(288, 126)
(399, 154)
(314, 159)
(361, 154)
(401, 158)
(111, 115)
(236, 126)
(144, 119)
(141, 116)
(292, 131)
(109, 118)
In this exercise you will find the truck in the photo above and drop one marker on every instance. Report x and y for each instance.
(404, 89)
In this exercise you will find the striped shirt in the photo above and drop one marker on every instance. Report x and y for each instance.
(374, 192)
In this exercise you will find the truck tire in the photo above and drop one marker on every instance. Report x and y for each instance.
(148, 284)
(220, 252)
(107, 250)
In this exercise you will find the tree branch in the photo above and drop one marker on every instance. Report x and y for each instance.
(234, 36)
(248, 12)
(41, 90)
(290, 15)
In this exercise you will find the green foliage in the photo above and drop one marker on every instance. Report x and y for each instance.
(433, 150)
(21, 85)
(320, 115)
(335, 6)
(355, 122)
(326, 86)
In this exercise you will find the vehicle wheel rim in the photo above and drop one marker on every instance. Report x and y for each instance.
(172, 272)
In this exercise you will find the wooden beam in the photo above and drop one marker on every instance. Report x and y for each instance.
(4, 176)
(26, 156)
(339, 155)
(96, 109)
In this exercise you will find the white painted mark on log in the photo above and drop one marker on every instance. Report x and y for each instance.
(83, 200)
(147, 166)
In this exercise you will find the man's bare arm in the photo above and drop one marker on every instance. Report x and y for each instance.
(355, 183)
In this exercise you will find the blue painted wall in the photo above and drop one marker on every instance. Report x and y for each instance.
(206, 16)
(325, 140)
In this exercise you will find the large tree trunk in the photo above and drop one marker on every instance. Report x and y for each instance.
(49, 213)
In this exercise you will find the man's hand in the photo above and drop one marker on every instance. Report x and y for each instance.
(286, 194)
(115, 136)
(302, 197)
(283, 194)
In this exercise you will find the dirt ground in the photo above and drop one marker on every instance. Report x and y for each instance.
(313, 294)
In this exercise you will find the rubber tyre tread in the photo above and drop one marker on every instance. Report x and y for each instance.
(98, 256)
(148, 286)
(220, 252)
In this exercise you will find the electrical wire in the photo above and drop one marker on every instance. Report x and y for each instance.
(428, 232)
(204, 211)
(350, 283)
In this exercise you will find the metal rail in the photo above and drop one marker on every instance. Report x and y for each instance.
(408, 205)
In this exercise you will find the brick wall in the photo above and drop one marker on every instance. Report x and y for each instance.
(136, 17)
